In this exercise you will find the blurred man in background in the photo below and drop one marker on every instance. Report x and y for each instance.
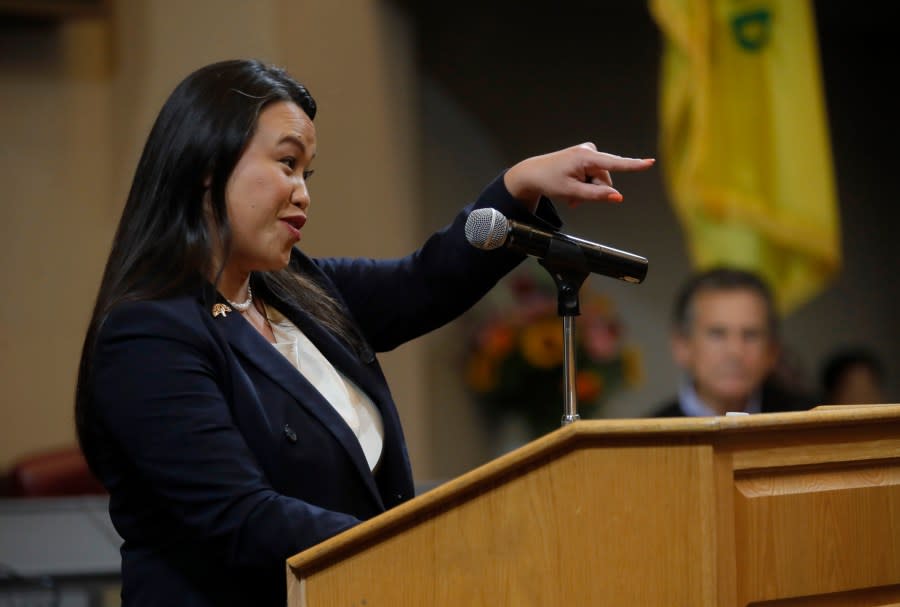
(725, 340)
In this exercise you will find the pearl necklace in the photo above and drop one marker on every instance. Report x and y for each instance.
(244, 305)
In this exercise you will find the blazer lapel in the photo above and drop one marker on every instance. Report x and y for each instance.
(245, 339)
(363, 370)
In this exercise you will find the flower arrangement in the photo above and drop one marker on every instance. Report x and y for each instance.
(514, 362)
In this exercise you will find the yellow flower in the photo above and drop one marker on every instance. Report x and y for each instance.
(542, 343)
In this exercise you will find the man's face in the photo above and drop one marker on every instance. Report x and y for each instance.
(728, 348)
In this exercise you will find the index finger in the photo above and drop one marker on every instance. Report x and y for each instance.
(612, 162)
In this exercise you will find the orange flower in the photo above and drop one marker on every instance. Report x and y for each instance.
(481, 373)
(588, 386)
(542, 343)
(496, 340)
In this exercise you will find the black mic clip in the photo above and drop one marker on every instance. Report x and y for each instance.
(568, 267)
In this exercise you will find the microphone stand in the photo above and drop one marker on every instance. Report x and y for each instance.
(566, 265)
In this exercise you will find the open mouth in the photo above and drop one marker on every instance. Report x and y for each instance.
(294, 223)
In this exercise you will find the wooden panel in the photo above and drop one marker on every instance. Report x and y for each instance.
(726, 584)
(811, 447)
(813, 531)
(869, 597)
(575, 531)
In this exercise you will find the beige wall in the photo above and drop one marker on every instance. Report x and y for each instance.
(76, 102)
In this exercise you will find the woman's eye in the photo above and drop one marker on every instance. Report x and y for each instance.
(307, 174)
(289, 162)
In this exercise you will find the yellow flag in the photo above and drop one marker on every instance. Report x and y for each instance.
(744, 140)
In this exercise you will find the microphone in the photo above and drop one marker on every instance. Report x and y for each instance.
(489, 229)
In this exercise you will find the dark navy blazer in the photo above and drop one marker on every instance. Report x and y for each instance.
(222, 460)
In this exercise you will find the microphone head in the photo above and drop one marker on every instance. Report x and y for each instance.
(486, 229)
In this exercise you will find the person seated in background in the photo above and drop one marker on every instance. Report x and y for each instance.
(852, 376)
(725, 340)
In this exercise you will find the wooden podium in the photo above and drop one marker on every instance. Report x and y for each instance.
(782, 509)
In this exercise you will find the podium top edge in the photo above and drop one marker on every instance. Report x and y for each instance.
(823, 415)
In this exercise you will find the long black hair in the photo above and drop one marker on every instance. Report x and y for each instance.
(167, 237)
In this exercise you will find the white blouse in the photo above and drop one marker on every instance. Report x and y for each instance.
(351, 403)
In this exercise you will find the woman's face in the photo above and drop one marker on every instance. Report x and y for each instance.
(266, 195)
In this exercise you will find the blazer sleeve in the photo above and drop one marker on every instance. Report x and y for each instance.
(160, 393)
(397, 300)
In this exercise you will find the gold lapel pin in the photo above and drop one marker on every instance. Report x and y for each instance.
(220, 309)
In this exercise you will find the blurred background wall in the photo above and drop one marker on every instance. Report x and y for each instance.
(417, 113)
